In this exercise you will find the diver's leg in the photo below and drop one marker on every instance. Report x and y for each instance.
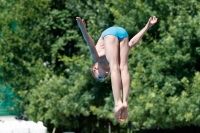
(125, 76)
(112, 55)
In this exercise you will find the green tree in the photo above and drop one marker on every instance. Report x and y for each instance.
(21, 58)
(45, 60)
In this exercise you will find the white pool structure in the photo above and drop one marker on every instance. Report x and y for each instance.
(8, 124)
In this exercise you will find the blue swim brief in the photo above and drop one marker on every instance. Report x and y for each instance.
(119, 32)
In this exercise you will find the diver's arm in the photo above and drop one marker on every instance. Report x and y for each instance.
(88, 39)
(140, 34)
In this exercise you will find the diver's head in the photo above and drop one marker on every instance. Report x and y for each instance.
(99, 73)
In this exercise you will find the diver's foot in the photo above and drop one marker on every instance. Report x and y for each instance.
(118, 110)
(124, 112)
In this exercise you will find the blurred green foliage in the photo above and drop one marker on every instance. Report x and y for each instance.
(46, 62)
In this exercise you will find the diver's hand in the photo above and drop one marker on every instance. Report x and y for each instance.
(152, 21)
(81, 23)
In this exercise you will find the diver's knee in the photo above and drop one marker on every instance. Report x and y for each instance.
(114, 67)
(124, 67)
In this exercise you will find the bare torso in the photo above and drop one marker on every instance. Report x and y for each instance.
(101, 50)
(100, 47)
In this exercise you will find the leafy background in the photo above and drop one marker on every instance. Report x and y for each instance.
(46, 63)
